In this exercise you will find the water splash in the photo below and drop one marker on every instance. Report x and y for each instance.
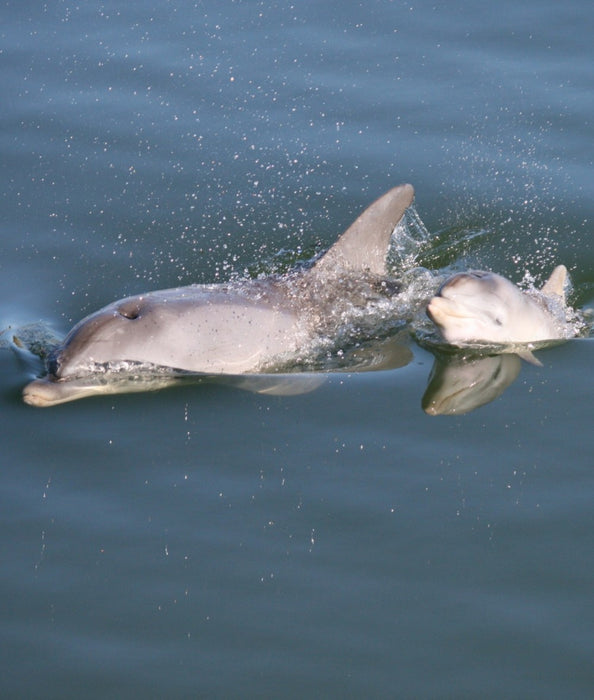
(409, 239)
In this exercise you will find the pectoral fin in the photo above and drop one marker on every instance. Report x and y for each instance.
(528, 356)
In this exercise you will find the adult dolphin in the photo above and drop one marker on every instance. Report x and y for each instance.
(234, 328)
(477, 307)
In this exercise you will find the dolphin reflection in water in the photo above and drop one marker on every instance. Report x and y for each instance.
(459, 384)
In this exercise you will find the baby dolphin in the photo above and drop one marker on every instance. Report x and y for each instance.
(234, 328)
(485, 308)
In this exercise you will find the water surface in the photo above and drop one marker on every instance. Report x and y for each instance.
(210, 542)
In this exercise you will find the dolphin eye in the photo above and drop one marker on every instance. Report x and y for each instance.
(130, 309)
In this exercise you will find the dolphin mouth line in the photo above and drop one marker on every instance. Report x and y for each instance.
(53, 379)
(454, 309)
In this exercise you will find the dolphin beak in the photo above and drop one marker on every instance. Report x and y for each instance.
(431, 309)
(438, 308)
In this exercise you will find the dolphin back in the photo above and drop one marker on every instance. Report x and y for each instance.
(363, 247)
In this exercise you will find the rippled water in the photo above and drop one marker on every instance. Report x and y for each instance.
(208, 541)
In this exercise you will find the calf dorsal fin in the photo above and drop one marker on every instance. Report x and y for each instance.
(364, 245)
(555, 285)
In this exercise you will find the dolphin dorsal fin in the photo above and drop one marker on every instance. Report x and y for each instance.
(364, 245)
(555, 285)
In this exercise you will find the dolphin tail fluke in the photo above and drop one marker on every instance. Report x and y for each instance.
(364, 245)
(556, 283)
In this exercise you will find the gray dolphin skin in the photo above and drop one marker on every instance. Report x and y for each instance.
(235, 328)
(483, 307)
